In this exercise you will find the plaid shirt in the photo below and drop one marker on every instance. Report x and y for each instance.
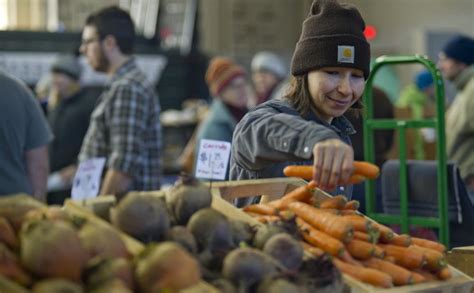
(125, 129)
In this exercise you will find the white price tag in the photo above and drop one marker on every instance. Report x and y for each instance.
(213, 159)
(86, 182)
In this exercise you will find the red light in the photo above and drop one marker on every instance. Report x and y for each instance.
(370, 32)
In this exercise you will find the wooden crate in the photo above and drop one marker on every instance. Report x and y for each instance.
(224, 192)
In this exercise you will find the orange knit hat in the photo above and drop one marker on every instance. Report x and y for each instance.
(220, 73)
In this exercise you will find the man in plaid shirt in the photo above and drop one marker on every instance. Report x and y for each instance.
(125, 125)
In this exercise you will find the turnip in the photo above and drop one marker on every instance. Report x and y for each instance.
(57, 285)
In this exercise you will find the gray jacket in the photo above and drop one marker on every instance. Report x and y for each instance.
(274, 135)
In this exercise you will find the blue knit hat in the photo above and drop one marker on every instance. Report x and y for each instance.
(460, 48)
(423, 79)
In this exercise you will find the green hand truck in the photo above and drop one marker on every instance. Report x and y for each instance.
(370, 125)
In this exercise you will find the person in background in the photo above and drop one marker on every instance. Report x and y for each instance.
(268, 76)
(231, 91)
(125, 125)
(417, 97)
(456, 63)
(330, 64)
(42, 91)
(69, 111)
(24, 137)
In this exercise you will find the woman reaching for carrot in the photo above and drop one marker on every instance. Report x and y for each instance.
(307, 127)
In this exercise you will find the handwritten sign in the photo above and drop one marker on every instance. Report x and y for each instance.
(213, 159)
(86, 182)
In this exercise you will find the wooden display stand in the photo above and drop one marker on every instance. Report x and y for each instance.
(224, 192)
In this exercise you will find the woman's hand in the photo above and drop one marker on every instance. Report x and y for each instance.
(332, 163)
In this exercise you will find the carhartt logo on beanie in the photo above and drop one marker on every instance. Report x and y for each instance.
(460, 48)
(333, 35)
(220, 73)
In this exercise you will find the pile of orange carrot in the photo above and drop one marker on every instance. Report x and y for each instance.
(364, 249)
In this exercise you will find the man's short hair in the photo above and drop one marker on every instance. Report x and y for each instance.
(116, 22)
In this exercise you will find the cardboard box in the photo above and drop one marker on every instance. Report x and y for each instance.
(463, 259)
(224, 192)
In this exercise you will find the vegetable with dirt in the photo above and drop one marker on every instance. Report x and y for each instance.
(143, 216)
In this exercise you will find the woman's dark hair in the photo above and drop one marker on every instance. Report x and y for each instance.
(299, 96)
(115, 22)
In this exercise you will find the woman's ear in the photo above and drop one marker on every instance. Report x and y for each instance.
(109, 42)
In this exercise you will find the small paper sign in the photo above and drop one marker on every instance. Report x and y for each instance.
(213, 159)
(87, 179)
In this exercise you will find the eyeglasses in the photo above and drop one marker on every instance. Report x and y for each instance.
(86, 42)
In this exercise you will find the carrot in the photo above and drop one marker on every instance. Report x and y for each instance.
(303, 193)
(306, 172)
(7, 234)
(400, 276)
(320, 239)
(348, 212)
(267, 218)
(360, 223)
(286, 215)
(352, 205)
(315, 251)
(333, 225)
(429, 244)
(360, 249)
(435, 260)
(405, 257)
(366, 169)
(261, 208)
(385, 232)
(331, 211)
(347, 257)
(380, 253)
(400, 240)
(389, 258)
(418, 278)
(335, 202)
(445, 274)
(366, 275)
(425, 274)
(372, 236)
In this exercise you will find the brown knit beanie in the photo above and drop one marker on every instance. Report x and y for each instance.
(333, 35)
(220, 73)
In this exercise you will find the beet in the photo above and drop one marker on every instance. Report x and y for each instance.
(56, 286)
(14, 208)
(212, 230)
(143, 216)
(166, 265)
(286, 250)
(52, 249)
(264, 233)
(320, 275)
(241, 232)
(271, 285)
(224, 285)
(103, 241)
(187, 197)
(113, 286)
(247, 266)
(183, 236)
(102, 271)
(11, 268)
